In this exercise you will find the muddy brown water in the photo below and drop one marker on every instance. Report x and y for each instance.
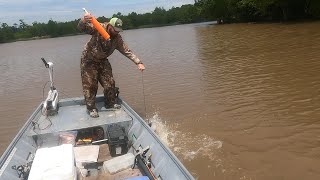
(237, 101)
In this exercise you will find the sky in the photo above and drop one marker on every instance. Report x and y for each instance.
(65, 10)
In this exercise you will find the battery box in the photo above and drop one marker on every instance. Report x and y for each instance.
(117, 140)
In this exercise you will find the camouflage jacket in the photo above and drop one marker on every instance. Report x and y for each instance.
(99, 49)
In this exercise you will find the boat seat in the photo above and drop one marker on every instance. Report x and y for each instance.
(54, 163)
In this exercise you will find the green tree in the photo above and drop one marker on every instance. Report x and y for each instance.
(23, 25)
(159, 16)
(52, 28)
(202, 10)
(102, 19)
(312, 8)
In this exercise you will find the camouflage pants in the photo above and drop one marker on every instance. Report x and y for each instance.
(93, 72)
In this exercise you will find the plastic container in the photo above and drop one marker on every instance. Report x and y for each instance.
(117, 140)
(119, 163)
(54, 163)
(68, 137)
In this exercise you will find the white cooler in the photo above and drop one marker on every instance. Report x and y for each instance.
(55, 163)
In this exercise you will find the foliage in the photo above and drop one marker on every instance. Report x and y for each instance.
(260, 10)
(201, 10)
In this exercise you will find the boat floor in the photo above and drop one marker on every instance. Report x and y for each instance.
(99, 174)
(106, 176)
(76, 117)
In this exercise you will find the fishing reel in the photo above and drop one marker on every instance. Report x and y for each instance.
(50, 105)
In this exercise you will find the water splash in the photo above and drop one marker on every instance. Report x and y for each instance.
(159, 126)
(197, 146)
(186, 144)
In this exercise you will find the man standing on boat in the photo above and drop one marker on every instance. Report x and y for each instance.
(95, 66)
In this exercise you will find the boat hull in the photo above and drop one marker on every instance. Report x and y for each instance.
(72, 116)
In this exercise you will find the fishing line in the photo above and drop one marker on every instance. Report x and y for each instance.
(44, 86)
(144, 98)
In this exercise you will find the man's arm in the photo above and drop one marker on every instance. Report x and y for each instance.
(123, 49)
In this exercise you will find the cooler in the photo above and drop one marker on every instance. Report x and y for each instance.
(54, 163)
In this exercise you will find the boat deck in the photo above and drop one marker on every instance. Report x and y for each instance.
(72, 117)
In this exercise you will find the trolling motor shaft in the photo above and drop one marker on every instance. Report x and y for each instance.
(50, 105)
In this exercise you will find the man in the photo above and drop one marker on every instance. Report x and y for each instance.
(95, 66)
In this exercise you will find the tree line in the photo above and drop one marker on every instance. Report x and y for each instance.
(224, 11)
(259, 10)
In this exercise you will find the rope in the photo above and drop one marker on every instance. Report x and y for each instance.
(144, 98)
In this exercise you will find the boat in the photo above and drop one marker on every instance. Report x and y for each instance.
(61, 141)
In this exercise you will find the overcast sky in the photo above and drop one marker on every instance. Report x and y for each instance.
(65, 10)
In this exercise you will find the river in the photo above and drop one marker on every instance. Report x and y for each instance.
(238, 101)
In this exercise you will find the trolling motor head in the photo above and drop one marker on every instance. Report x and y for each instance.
(50, 105)
(48, 65)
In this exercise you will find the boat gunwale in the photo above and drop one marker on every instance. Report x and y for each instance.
(166, 149)
(7, 152)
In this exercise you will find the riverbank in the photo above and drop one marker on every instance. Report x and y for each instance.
(38, 38)
(75, 34)
(173, 24)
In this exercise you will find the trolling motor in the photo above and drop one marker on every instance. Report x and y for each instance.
(50, 105)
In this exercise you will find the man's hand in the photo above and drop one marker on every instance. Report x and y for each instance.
(141, 67)
(87, 17)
